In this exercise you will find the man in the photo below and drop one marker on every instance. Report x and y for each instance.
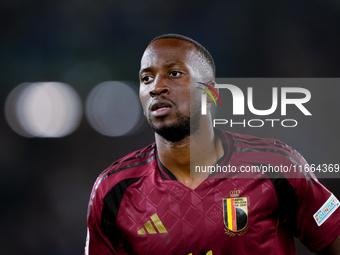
(147, 203)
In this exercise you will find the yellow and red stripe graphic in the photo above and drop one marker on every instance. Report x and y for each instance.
(231, 214)
(212, 89)
(235, 213)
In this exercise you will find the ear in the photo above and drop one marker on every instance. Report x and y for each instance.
(212, 84)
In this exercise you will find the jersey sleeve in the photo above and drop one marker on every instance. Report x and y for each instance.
(98, 243)
(318, 217)
(308, 210)
(106, 234)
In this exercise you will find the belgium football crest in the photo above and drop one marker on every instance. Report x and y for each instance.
(235, 214)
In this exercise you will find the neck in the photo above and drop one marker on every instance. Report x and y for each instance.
(200, 149)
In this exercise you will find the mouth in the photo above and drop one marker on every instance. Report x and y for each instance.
(160, 108)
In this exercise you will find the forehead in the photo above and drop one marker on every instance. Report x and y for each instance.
(169, 50)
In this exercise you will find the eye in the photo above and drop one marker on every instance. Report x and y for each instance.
(147, 78)
(175, 73)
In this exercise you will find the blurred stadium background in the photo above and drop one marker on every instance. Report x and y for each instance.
(69, 74)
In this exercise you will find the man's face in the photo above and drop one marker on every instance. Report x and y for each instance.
(166, 68)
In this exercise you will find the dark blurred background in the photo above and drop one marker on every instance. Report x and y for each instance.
(45, 183)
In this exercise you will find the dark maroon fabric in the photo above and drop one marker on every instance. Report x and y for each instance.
(128, 194)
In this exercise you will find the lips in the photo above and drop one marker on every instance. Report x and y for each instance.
(160, 108)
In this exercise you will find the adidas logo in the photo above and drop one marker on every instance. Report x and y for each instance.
(149, 227)
(208, 253)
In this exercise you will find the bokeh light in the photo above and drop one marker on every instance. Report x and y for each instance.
(43, 109)
(113, 109)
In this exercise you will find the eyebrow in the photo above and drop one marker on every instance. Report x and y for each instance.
(171, 64)
(148, 69)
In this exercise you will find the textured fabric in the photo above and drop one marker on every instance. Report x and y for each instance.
(138, 207)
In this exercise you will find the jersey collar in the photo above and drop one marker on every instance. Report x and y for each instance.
(165, 173)
(227, 143)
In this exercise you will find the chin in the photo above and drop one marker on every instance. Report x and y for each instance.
(173, 134)
(174, 131)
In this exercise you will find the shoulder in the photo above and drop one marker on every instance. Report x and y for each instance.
(275, 158)
(135, 159)
(128, 169)
(256, 141)
(131, 165)
(264, 147)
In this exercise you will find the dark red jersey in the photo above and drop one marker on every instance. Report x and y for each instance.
(138, 207)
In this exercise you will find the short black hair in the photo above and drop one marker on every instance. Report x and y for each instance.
(203, 51)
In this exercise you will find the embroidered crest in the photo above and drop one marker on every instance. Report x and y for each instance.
(235, 214)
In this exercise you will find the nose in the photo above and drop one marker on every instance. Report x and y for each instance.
(159, 88)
